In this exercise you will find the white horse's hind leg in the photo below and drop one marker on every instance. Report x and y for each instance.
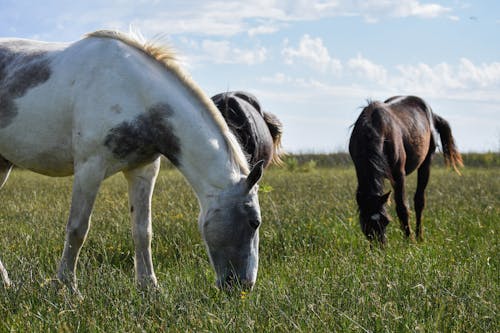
(5, 167)
(141, 182)
(87, 180)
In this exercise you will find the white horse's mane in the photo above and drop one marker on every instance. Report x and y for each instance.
(166, 56)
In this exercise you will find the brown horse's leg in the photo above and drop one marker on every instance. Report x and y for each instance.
(401, 207)
(419, 199)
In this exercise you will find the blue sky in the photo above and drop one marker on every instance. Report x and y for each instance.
(313, 63)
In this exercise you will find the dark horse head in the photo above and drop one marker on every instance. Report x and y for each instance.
(389, 141)
(373, 216)
(258, 132)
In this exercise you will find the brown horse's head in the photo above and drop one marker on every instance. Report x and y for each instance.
(373, 216)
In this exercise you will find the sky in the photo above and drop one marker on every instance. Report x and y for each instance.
(313, 63)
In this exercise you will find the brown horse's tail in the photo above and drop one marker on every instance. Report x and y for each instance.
(276, 129)
(451, 155)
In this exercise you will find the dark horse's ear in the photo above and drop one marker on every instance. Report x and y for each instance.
(384, 198)
(255, 175)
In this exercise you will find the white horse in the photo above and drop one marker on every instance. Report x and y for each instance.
(112, 102)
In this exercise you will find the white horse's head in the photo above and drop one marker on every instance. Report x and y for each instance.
(230, 229)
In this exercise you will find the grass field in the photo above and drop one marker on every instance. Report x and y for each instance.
(317, 272)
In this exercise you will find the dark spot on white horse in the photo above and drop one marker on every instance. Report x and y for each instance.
(131, 209)
(20, 71)
(146, 135)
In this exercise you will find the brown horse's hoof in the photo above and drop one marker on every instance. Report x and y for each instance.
(410, 238)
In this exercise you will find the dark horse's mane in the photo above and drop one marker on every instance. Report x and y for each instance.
(258, 132)
(368, 126)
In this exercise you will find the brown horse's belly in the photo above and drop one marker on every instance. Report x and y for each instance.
(416, 153)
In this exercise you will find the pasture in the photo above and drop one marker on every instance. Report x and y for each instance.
(317, 272)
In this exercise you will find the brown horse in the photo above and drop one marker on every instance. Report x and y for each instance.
(258, 132)
(391, 140)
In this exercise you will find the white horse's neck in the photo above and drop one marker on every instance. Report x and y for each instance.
(207, 164)
(206, 159)
(209, 156)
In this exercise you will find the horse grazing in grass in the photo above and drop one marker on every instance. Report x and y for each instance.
(258, 132)
(112, 102)
(391, 140)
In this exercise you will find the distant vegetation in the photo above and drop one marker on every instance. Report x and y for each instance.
(308, 161)
(305, 161)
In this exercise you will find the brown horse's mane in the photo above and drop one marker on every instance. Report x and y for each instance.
(369, 123)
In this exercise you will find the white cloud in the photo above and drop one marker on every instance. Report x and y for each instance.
(205, 18)
(262, 30)
(223, 52)
(415, 8)
(277, 78)
(463, 81)
(484, 75)
(299, 10)
(374, 10)
(424, 78)
(307, 89)
(368, 69)
(313, 53)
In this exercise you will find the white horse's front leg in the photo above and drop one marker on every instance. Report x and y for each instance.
(141, 183)
(87, 180)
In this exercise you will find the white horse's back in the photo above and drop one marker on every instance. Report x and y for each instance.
(64, 98)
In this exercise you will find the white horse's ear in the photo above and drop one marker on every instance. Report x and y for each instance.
(255, 175)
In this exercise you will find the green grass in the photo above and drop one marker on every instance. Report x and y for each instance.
(317, 272)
